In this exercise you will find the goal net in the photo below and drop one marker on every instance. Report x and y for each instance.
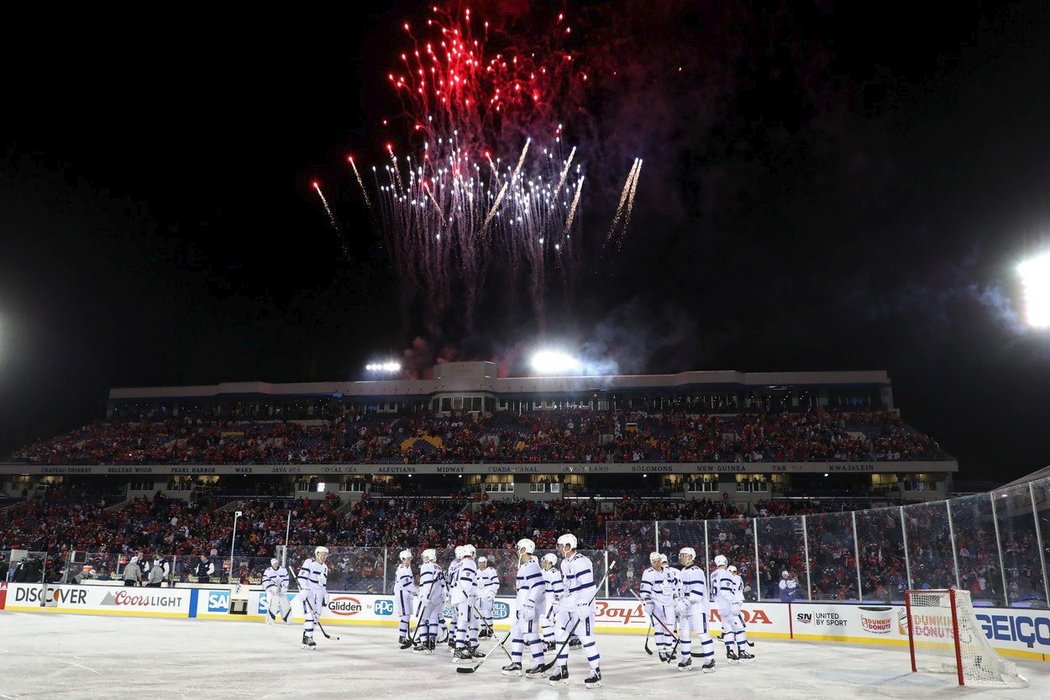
(945, 637)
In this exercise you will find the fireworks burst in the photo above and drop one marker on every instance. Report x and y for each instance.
(454, 213)
(328, 210)
(331, 220)
(617, 233)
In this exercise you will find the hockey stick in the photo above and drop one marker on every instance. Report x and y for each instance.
(648, 631)
(306, 603)
(471, 669)
(505, 650)
(547, 666)
(653, 618)
(419, 623)
(317, 620)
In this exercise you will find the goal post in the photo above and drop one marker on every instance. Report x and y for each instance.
(944, 636)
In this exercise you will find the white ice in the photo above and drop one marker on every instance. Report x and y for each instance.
(81, 656)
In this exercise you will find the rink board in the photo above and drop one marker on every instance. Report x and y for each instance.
(1023, 633)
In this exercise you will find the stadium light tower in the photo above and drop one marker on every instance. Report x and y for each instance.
(233, 543)
(555, 362)
(1035, 276)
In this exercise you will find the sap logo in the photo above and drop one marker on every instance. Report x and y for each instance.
(500, 610)
(804, 618)
(1016, 628)
(383, 606)
(219, 601)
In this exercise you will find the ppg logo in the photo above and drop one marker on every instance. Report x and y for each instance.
(384, 606)
(500, 611)
(219, 601)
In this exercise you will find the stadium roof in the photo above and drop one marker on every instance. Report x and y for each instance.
(480, 376)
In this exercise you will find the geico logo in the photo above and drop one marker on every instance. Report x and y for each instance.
(1016, 628)
(384, 606)
(63, 596)
(500, 610)
(616, 612)
(345, 605)
(756, 616)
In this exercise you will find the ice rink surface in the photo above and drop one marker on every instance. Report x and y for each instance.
(81, 656)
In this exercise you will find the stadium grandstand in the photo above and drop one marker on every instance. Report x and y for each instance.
(741, 438)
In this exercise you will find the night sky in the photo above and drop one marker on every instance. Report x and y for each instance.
(827, 185)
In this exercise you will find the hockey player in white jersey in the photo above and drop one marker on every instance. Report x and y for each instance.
(464, 597)
(404, 592)
(451, 579)
(722, 592)
(576, 610)
(693, 609)
(554, 589)
(313, 589)
(737, 616)
(488, 587)
(275, 583)
(529, 586)
(659, 592)
(431, 599)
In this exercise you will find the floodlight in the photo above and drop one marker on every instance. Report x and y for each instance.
(1035, 276)
(555, 362)
(389, 367)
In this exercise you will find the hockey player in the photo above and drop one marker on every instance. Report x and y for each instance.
(488, 587)
(694, 610)
(431, 599)
(722, 592)
(576, 610)
(275, 583)
(313, 584)
(464, 596)
(788, 587)
(530, 594)
(451, 579)
(659, 593)
(404, 591)
(554, 589)
(737, 617)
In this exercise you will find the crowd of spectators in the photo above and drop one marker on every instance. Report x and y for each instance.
(365, 539)
(562, 436)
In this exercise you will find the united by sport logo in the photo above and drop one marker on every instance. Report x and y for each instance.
(500, 610)
(218, 601)
(383, 606)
